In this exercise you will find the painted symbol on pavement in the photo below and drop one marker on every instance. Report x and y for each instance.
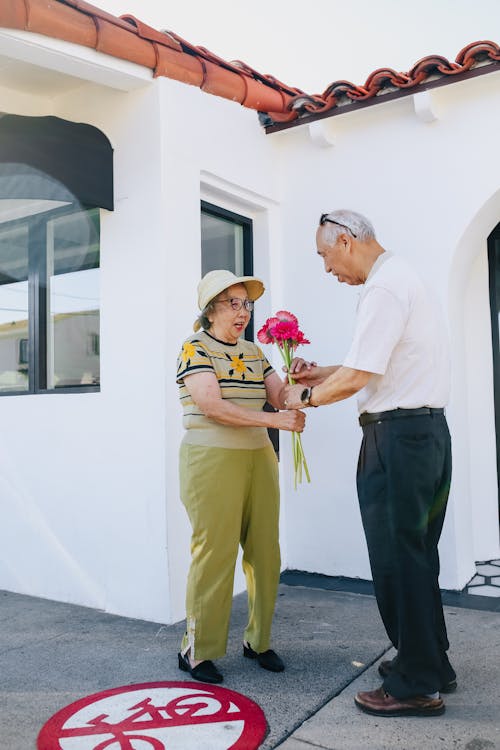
(157, 716)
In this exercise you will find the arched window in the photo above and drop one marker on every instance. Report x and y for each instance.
(54, 177)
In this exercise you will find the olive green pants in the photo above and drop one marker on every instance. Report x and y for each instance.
(231, 497)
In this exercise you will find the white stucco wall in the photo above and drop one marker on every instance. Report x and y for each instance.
(90, 506)
(91, 487)
(483, 486)
(425, 186)
(214, 151)
(431, 191)
(85, 476)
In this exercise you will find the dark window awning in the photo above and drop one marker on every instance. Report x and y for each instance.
(60, 160)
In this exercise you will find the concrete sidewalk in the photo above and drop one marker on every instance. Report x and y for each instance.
(472, 718)
(52, 654)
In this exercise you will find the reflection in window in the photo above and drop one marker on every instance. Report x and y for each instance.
(226, 242)
(49, 295)
(221, 244)
(14, 307)
(73, 300)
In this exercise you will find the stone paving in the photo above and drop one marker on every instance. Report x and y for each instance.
(486, 582)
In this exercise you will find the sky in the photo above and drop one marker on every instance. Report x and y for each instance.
(310, 43)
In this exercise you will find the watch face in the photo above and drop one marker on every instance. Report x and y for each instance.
(304, 396)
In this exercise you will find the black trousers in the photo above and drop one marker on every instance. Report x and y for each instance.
(403, 481)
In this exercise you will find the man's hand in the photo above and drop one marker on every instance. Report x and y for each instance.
(300, 365)
(309, 373)
(302, 371)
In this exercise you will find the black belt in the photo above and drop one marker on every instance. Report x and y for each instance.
(381, 416)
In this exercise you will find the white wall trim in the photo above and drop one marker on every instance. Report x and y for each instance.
(425, 106)
(321, 135)
(213, 186)
(74, 60)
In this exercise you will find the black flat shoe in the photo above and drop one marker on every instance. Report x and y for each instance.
(205, 671)
(267, 659)
(385, 668)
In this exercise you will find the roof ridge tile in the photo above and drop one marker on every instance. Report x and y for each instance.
(151, 34)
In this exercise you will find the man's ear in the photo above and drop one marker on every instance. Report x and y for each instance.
(346, 241)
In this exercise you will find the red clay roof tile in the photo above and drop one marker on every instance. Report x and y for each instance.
(430, 71)
(167, 54)
(152, 35)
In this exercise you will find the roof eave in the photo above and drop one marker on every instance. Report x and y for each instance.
(478, 58)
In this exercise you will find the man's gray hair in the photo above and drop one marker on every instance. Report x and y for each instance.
(357, 225)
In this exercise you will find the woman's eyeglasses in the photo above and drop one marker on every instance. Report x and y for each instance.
(237, 303)
(324, 218)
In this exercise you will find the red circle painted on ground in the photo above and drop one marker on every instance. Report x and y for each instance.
(149, 715)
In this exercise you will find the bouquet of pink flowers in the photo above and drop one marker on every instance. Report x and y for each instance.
(283, 330)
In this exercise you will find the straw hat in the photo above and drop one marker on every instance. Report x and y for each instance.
(214, 282)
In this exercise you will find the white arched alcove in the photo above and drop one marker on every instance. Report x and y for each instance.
(474, 512)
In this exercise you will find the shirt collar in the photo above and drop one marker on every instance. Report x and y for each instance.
(378, 263)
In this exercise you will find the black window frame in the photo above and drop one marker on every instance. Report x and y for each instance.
(37, 302)
(247, 225)
(494, 282)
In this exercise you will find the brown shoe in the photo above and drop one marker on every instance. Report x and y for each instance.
(380, 703)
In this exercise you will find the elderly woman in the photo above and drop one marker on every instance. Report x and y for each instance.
(229, 475)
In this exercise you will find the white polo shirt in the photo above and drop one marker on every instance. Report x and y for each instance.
(401, 336)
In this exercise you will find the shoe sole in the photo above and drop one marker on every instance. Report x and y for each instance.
(418, 712)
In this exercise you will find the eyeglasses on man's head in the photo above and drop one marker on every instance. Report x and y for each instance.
(323, 219)
(237, 303)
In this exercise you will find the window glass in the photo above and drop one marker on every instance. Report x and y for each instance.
(221, 244)
(14, 244)
(73, 307)
(49, 295)
(494, 283)
(53, 176)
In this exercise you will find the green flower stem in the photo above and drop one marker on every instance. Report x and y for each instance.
(299, 459)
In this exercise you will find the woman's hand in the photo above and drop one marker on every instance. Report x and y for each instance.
(204, 389)
(292, 421)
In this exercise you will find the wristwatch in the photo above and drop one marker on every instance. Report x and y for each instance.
(305, 397)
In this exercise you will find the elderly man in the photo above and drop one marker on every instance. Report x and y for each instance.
(398, 364)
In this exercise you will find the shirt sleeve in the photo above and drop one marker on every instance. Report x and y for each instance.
(193, 358)
(380, 324)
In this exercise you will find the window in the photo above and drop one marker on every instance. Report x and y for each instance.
(55, 175)
(494, 282)
(226, 242)
(49, 296)
(14, 242)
